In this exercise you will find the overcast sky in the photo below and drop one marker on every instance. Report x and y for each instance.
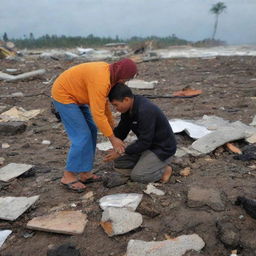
(188, 19)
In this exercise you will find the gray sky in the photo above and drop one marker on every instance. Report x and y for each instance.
(188, 19)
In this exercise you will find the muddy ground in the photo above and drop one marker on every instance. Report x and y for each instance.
(229, 91)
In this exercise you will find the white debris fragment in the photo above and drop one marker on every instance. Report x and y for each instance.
(151, 189)
(46, 142)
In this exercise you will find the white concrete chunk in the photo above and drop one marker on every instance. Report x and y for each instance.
(253, 121)
(173, 247)
(140, 84)
(129, 201)
(117, 221)
(64, 222)
(13, 207)
(13, 170)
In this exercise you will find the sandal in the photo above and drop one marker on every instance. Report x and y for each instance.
(93, 178)
(69, 186)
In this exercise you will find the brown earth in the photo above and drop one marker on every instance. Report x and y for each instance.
(229, 90)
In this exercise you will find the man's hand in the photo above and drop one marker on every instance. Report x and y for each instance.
(112, 155)
(118, 145)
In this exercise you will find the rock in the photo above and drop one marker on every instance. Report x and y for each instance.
(5, 145)
(114, 180)
(46, 142)
(228, 234)
(248, 204)
(12, 128)
(173, 247)
(148, 208)
(185, 172)
(116, 221)
(64, 250)
(198, 197)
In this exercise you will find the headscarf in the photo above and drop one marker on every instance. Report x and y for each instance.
(123, 69)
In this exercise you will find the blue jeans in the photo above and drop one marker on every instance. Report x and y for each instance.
(82, 133)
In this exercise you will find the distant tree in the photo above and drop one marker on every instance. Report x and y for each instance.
(5, 37)
(217, 9)
(31, 36)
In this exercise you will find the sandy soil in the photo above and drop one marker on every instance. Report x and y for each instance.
(229, 91)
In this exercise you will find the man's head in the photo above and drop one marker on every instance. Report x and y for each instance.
(121, 97)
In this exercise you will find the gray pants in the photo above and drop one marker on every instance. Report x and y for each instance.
(145, 168)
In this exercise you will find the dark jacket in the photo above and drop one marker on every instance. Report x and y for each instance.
(151, 127)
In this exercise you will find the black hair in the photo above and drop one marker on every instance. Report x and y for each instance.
(119, 92)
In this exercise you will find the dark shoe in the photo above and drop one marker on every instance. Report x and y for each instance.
(70, 187)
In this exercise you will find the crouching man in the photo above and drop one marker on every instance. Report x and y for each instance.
(149, 156)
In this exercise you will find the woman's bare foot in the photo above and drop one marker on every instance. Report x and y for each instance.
(70, 177)
(167, 174)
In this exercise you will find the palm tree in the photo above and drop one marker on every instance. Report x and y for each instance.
(217, 9)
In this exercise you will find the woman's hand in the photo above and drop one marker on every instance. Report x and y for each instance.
(118, 145)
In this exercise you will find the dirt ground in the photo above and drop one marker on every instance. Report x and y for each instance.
(229, 91)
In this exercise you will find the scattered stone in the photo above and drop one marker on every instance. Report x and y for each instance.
(88, 196)
(13, 170)
(5, 145)
(114, 179)
(128, 201)
(3, 236)
(228, 234)
(148, 208)
(117, 221)
(12, 128)
(64, 222)
(28, 234)
(185, 172)
(13, 207)
(173, 247)
(251, 139)
(151, 189)
(46, 142)
(64, 250)
(198, 197)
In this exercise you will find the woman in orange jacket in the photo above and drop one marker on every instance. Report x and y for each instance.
(80, 96)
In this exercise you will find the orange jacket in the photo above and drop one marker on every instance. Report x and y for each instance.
(87, 83)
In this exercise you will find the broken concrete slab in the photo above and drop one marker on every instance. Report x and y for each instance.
(117, 221)
(3, 236)
(12, 128)
(173, 247)
(151, 189)
(198, 197)
(212, 122)
(129, 201)
(13, 170)
(251, 139)
(211, 141)
(140, 84)
(63, 222)
(13, 207)
(193, 130)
